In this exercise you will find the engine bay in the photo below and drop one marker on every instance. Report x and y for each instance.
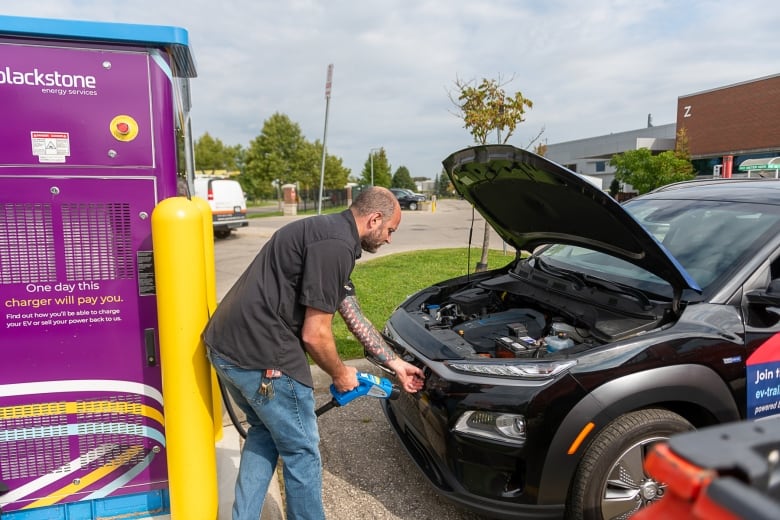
(505, 317)
(495, 331)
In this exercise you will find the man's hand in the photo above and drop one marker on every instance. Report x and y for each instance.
(411, 377)
(346, 379)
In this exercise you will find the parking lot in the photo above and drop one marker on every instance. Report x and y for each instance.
(367, 474)
(448, 226)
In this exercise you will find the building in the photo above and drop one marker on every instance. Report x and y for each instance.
(731, 131)
(590, 156)
(727, 126)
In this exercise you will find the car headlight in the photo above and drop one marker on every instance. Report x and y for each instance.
(505, 427)
(531, 370)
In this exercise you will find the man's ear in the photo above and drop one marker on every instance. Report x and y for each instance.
(374, 220)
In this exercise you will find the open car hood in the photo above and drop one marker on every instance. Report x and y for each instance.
(531, 201)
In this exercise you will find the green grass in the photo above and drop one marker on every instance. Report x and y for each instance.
(310, 211)
(383, 283)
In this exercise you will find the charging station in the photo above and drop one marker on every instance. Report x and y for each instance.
(95, 130)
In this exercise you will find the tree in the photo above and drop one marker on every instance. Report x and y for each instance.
(486, 108)
(614, 187)
(308, 174)
(212, 155)
(277, 156)
(681, 145)
(646, 172)
(336, 174)
(403, 179)
(540, 148)
(443, 185)
(378, 163)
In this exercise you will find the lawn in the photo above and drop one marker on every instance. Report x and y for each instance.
(383, 283)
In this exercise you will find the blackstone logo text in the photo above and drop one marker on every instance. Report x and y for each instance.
(36, 78)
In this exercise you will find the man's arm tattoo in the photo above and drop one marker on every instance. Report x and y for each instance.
(364, 330)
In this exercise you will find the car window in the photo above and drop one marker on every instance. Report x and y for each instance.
(598, 264)
(709, 239)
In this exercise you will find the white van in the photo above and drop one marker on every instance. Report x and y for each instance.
(228, 206)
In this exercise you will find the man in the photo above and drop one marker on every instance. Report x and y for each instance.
(280, 309)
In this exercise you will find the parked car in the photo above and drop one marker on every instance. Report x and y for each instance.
(547, 380)
(407, 198)
(227, 202)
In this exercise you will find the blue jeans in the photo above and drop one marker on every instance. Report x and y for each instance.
(282, 423)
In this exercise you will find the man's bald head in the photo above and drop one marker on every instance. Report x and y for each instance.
(375, 199)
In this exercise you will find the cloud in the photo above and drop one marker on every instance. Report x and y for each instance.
(591, 68)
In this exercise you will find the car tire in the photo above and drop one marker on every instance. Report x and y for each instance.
(610, 481)
(222, 233)
(413, 206)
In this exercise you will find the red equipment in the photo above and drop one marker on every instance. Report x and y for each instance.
(726, 472)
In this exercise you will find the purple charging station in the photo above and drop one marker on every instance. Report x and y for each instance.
(91, 116)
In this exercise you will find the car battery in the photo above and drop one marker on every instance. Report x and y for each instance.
(517, 343)
(507, 347)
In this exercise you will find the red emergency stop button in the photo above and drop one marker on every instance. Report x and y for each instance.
(124, 128)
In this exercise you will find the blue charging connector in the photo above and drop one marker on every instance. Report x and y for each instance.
(368, 384)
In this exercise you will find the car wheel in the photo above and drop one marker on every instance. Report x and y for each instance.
(222, 233)
(611, 481)
(413, 206)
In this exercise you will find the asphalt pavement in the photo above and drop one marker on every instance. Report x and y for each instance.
(366, 472)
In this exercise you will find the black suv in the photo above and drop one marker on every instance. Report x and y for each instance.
(547, 380)
(408, 199)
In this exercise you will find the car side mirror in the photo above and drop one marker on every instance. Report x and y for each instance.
(769, 296)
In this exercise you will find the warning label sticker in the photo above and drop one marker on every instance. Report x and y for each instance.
(50, 147)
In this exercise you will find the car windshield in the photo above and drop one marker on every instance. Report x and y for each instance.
(709, 239)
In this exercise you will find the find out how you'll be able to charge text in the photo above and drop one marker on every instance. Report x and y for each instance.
(55, 305)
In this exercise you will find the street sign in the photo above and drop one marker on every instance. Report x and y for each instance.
(329, 81)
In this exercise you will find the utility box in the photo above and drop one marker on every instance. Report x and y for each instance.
(95, 118)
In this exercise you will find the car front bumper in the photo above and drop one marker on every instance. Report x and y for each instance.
(480, 470)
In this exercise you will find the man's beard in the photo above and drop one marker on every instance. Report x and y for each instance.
(372, 242)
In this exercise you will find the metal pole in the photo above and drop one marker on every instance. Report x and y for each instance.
(328, 84)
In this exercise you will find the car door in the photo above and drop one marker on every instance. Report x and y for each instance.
(761, 309)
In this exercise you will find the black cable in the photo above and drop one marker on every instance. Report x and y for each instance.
(3, 490)
(468, 253)
(226, 400)
(230, 410)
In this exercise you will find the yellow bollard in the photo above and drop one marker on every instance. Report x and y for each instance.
(208, 251)
(211, 298)
(182, 312)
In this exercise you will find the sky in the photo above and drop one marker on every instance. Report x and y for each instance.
(590, 67)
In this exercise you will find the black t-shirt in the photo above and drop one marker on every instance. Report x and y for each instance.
(306, 263)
